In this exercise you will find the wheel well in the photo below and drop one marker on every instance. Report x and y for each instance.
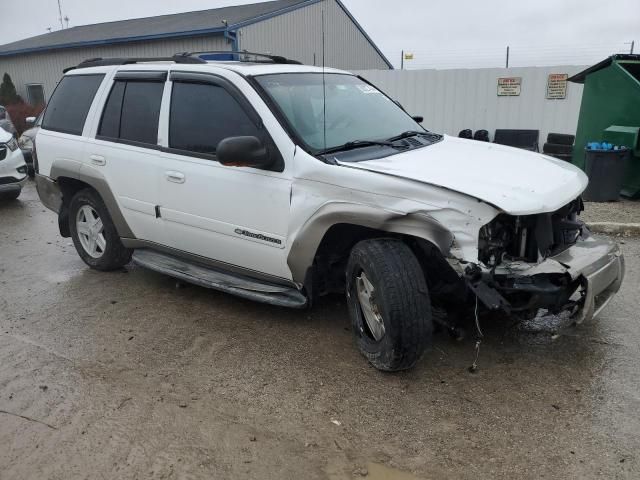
(69, 187)
(330, 262)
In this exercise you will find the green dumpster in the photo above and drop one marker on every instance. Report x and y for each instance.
(610, 111)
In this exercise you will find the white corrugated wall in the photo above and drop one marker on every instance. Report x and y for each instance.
(46, 68)
(452, 100)
(298, 35)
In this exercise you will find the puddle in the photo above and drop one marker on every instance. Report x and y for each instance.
(373, 471)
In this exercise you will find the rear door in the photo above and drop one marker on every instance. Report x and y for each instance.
(125, 148)
(235, 215)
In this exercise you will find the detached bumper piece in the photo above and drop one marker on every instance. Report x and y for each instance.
(582, 279)
(11, 184)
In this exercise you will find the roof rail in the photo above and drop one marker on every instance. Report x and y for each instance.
(101, 62)
(188, 57)
(243, 56)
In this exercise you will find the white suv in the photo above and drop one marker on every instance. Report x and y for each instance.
(281, 182)
(13, 170)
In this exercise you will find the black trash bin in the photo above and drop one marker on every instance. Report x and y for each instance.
(605, 169)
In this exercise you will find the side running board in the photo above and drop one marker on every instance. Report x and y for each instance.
(208, 277)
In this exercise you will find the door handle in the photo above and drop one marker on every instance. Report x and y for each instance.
(98, 160)
(175, 177)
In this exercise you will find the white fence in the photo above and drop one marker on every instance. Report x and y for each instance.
(452, 100)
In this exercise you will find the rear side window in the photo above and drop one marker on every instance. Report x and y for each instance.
(132, 112)
(70, 103)
(202, 115)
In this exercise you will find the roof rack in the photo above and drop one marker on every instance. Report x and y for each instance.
(189, 57)
(101, 62)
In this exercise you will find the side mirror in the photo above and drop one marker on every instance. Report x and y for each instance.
(30, 121)
(418, 118)
(243, 152)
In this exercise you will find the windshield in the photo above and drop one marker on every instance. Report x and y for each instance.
(354, 109)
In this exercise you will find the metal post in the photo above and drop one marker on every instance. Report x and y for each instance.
(633, 42)
(60, 15)
(507, 56)
(402, 60)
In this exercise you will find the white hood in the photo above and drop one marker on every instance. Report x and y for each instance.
(516, 181)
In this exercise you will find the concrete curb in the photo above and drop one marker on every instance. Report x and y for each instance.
(615, 228)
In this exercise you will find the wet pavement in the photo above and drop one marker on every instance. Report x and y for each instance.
(123, 375)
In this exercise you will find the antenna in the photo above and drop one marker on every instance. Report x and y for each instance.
(60, 15)
(324, 90)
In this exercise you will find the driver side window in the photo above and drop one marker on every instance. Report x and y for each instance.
(204, 114)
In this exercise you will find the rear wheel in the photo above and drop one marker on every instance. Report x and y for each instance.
(388, 303)
(94, 234)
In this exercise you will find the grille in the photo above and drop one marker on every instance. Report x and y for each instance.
(530, 237)
(3, 153)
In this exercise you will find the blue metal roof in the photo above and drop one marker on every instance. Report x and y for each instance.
(190, 24)
(203, 22)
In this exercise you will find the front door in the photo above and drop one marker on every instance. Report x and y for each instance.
(237, 216)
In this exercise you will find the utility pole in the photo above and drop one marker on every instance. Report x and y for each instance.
(507, 63)
(60, 15)
(632, 43)
(402, 60)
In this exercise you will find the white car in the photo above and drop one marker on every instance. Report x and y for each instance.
(13, 170)
(281, 182)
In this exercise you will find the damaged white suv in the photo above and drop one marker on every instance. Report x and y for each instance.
(281, 182)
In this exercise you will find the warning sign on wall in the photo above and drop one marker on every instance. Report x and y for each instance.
(509, 86)
(557, 86)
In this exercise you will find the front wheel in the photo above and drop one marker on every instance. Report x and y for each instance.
(388, 303)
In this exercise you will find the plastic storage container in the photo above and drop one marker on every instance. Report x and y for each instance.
(605, 169)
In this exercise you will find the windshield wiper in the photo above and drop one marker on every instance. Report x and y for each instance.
(355, 144)
(407, 134)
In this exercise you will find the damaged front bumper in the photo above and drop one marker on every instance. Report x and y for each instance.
(582, 279)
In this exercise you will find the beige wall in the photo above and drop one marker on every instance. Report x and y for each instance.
(46, 68)
(298, 35)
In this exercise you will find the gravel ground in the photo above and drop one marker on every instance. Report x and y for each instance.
(624, 211)
(123, 375)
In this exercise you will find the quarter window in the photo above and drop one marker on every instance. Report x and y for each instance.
(132, 112)
(35, 94)
(70, 103)
(202, 115)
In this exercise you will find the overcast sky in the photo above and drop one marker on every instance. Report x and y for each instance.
(440, 33)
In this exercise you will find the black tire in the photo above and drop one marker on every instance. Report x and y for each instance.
(555, 148)
(115, 255)
(561, 138)
(10, 196)
(481, 135)
(403, 302)
(31, 171)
